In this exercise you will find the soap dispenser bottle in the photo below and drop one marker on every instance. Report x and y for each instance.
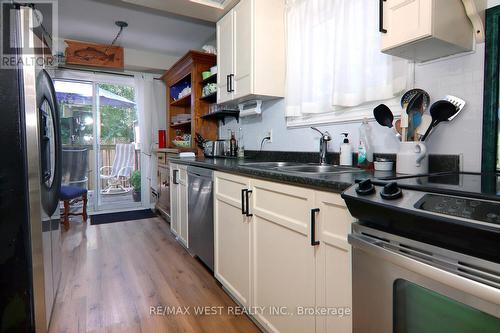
(345, 151)
(365, 152)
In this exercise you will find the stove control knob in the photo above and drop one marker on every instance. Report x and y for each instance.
(365, 187)
(391, 191)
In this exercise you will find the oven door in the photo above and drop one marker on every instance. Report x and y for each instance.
(402, 286)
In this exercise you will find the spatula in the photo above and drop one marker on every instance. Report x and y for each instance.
(459, 104)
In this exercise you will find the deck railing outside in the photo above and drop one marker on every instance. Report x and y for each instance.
(106, 155)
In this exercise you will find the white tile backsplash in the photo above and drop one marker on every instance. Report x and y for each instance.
(459, 75)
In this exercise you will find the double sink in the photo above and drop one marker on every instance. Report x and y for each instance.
(302, 168)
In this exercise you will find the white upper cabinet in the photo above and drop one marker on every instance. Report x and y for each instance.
(251, 51)
(242, 70)
(423, 30)
(225, 64)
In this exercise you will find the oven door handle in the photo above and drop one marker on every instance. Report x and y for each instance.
(470, 286)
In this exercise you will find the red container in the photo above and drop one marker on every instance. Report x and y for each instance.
(162, 139)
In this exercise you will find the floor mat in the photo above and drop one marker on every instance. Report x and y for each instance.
(122, 216)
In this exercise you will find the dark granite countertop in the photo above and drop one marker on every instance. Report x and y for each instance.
(331, 182)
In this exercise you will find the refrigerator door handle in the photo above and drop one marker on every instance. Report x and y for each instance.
(51, 173)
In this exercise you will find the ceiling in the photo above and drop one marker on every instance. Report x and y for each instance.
(208, 10)
(148, 30)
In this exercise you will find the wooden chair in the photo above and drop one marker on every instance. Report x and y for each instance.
(71, 195)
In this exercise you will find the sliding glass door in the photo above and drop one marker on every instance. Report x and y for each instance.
(76, 107)
(101, 143)
(118, 147)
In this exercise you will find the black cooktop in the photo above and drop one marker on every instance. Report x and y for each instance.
(456, 211)
(475, 185)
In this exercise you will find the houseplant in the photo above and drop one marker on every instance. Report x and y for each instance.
(135, 181)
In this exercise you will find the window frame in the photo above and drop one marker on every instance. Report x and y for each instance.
(344, 116)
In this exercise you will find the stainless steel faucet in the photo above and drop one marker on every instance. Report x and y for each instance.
(323, 145)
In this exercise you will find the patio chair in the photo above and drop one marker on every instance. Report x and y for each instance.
(122, 168)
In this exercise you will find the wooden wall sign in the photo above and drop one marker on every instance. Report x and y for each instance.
(90, 54)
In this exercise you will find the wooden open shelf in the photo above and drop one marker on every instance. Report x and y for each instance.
(186, 77)
(212, 98)
(187, 72)
(184, 123)
(184, 101)
(210, 79)
(222, 115)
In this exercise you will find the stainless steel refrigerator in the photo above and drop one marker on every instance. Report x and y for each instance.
(30, 180)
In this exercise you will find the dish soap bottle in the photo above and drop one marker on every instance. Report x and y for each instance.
(346, 151)
(233, 146)
(365, 150)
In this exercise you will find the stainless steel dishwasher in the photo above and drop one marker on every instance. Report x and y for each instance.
(200, 214)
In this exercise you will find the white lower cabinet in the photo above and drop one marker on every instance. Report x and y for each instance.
(179, 203)
(232, 237)
(174, 198)
(333, 263)
(273, 260)
(183, 206)
(283, 258)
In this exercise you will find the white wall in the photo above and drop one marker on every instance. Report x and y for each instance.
(493, 3)
(146, 61)
(459, 75)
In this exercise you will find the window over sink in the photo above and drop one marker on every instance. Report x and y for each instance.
(335, 70)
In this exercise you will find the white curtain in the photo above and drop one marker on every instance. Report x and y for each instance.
(333, 57)
(151, 100)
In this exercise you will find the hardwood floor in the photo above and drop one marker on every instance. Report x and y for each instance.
(113, 274)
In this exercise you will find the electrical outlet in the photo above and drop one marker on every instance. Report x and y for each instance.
(269, 134)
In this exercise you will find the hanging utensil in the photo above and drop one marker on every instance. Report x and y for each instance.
(405, 101)
(404, 125)
(384, 116)
(424, 126)
(410, 94)
(397, 127)
(459, 104)
(440, 111)
(414, 111)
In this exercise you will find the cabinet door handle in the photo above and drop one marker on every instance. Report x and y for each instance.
(243, 201)
(231, 80)
(381, 17)
(314, 242)
(174, 180)
(247, 213)
(228, 83)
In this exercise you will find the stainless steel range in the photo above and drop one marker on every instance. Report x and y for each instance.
(426, 254)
